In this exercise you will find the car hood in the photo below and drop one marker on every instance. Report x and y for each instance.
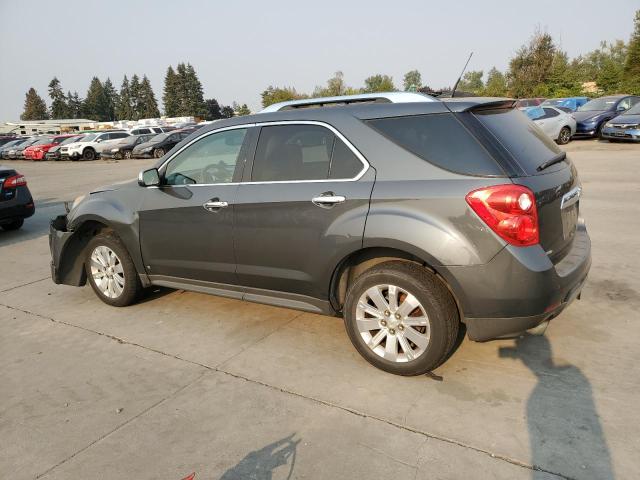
(626, 119)
(116, 186)
(582, 116)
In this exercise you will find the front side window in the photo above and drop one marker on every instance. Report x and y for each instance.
(211, 159)
(302, 152)
(549, 113)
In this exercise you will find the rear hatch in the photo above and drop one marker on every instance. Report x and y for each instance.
(532, 159)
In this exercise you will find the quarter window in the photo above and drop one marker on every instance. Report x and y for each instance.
(211, 159)
(302, 152)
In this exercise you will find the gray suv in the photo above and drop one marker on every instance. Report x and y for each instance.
(406, 215)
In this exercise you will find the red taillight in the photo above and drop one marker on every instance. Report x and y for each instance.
(15, 181)
(510, 211)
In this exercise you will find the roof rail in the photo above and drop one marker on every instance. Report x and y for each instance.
(381, 97)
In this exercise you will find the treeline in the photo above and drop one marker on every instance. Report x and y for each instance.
(538, 69)
(182, 96)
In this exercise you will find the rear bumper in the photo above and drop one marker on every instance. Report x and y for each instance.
(19, 207)
(520, 288)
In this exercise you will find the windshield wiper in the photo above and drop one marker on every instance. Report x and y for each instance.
(557, 159)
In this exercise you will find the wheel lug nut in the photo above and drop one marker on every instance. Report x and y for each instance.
(400, 327)
(387, 313)
(383, 323)
(392, 331)
(398, 316)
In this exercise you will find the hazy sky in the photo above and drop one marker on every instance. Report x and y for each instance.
(240, 47)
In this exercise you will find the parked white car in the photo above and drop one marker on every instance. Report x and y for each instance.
(556, 123)
(88, 147)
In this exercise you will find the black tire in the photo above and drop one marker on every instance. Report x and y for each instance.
(88, 154)
(564, 136)
(158, 153)
(15, 225)
(434, 297)
(128, 154)
(132, 286)
(118, 156)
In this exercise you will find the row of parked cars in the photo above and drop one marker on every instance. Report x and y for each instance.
(613, 118)
(139, 142)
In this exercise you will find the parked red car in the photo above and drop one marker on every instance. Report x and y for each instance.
(38, 150)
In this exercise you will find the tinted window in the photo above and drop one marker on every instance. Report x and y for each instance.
(211, 159)
(344, 163)
(549, 113)
(441, 140)
(118, 135)
(293, 152)
(526, 142)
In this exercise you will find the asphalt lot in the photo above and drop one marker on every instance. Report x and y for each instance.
(185, 382)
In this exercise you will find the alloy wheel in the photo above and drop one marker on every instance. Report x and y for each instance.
(393, 323)
(107, 272)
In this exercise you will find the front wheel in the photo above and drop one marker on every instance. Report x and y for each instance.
(89, 154)
(127, 154)
(401, 318)
(111, 272)
(564, 136)
(158, 152)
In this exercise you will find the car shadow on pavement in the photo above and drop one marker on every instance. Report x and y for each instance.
(565, 434)
(260, 464)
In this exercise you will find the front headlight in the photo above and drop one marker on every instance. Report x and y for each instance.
(114, 150)
(77, 201)
(608, 125)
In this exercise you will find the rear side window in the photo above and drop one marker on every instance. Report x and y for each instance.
(441, 140)
(524, 140)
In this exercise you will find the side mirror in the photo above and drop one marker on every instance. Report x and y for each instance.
(149, 178)
(621, 108)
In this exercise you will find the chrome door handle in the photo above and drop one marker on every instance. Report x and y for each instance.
(213, 206)
(327, 200)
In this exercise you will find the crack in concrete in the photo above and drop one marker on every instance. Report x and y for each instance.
(319, 401)
(24, 284)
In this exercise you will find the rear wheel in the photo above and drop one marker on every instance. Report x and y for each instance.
(88, 154)
(127, 154)
(111, 272)
(118, 156)
(15, 225)
(158, 152)
(564, 136)
(401, 318)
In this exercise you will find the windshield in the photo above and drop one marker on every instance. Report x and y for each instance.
(44, 141)
(71, 140)
(598, 104)
(160, 137)
(554, 102)
(635, 110)
(89, 137)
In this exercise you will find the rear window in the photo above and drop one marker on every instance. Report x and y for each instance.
(441, 140)
(524, 140)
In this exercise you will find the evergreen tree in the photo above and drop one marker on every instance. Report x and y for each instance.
(240, 110)
(378, 83)
(148, 104)
(59, 108)
(111, 99)
(95, 104)
(124, 110)
(412, 81)
(34, 107)
(496, 85)
(194, 93)
(74, 105)
(531, 66)
(182, 90)
(136, 100)
(631, 72)
(171, 95)
(227, 112)
(213, 109)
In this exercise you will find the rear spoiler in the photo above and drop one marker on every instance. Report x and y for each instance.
(471, 104)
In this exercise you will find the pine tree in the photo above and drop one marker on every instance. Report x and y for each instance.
(124, 109)
(170, 95)
(136, 101)
(34, 107)
(59, 108)
(213, 109)
(148, 104)
(74, 105)
(227, 112)
(182, 90)
(95, 104)
(111, 99)
(194, 94)
(631, 72)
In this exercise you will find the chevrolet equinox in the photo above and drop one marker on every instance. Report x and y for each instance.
(406, 215)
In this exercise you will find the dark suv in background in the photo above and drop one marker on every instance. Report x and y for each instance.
(404, 214)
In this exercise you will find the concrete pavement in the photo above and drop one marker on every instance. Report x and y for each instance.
(185, 382)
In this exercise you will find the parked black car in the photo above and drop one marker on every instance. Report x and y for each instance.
(10, 147)
(124, 147)
(55, 153)
(160, 144)
(407, 218)
(592, 116)
(16, 203)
